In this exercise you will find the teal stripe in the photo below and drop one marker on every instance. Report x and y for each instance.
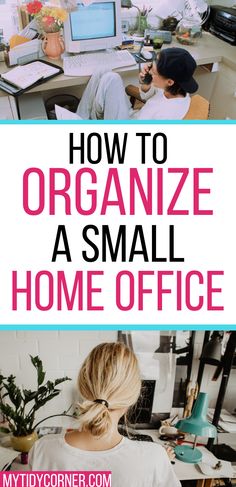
(118, 122)
(118, 327)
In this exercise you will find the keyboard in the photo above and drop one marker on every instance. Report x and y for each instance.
(86, 64)
(132, 435)
(139, 437)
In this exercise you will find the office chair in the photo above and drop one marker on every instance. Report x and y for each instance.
(198, 110)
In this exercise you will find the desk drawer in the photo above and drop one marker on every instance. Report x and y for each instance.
(8, 109)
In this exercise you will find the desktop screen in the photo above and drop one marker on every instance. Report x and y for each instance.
(157, 365)
(144, 345)
(93, 21)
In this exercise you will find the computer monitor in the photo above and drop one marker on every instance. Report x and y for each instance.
(94, 26)
(158, 377)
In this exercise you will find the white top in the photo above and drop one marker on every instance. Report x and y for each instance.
(132, 463)
(158, 107)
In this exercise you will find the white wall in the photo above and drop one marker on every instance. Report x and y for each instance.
(8, 18)
(62, 353)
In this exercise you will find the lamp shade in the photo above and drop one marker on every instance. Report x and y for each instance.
(197, 423)
(211, 353)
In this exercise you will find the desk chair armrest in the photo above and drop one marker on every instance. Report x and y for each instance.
(199, 109)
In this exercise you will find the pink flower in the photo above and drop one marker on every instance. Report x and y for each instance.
(48, 20)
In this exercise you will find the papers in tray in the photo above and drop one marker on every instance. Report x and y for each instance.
(29, 51)
(6, 457)
(24, 76)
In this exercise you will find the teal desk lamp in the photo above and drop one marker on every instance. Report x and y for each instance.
(197, 425)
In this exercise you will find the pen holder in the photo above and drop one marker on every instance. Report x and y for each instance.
(53, 45)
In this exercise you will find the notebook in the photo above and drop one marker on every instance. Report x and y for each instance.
(24, 76)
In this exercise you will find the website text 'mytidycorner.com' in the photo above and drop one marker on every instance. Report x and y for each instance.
(56, 479)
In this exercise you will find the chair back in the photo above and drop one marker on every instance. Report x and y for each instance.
(199, 109)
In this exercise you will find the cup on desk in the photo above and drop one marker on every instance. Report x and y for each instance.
(168, 430)
(157, 43)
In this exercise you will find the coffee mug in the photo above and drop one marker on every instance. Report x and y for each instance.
(168, 430)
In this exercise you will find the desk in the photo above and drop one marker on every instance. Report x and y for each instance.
(207, 51)
(73, 85)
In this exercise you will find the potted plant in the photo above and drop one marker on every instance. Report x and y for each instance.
(19, 406)
(142, 23)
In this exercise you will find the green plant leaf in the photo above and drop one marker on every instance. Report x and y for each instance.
(21, 420)
(42, 390)
(4, 430)
(63, 379)
(37, 363)
(46, 399)
(29, 395)
(13, 392)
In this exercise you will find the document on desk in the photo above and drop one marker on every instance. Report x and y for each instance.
(211, 466)
(31, 50)
(24, 76)
(6, 457)
(224, 470)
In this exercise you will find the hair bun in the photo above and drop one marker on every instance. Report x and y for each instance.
(94, 417)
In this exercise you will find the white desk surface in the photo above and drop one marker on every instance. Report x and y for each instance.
(184, 471)
(189, 471)
(209, 49)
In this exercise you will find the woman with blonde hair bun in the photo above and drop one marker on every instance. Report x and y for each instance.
(109, 383)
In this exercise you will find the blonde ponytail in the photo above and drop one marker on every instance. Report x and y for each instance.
(110, 375)
(95, 418)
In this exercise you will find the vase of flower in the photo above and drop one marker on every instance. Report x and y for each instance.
(142, 24)
(53, 45)
(142, 20)
(50, 21)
